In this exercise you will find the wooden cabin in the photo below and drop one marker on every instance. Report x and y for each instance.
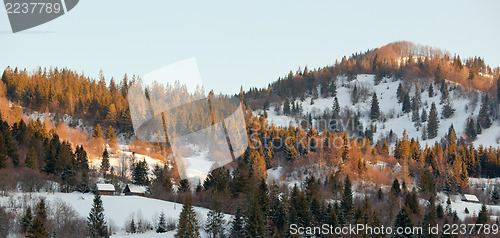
(105, 189)
(135, 190)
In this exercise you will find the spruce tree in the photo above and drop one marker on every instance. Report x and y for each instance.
(448, 110)
(132, 228)
(110, 135)
(484, 116)
(406, 107)
(214, 226)
(37, 228)
(286, 106)
(396, 188)
(254, 222)
(26, 220)
(237, 227)
(188, 223)
(482, 216)
(162, 224)
(96, 223)
(403, 219)
(470, 129)
(375, 109)
(140, 173)
(347, 203)
(433, 124)
(400, 93)
(105, 162)
(31, 160)
(98, 131)
(431, 91)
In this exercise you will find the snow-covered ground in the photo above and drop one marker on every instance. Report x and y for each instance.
(397, 121)
(119, 210)
(459, 206)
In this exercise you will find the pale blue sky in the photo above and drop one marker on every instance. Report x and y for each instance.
(244, 43)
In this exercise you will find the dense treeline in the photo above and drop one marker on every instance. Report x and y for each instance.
(32, 146)
(402, 60)
(65, 91)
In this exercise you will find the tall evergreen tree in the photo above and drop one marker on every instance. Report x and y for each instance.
(347, 203)
(375, 109)
(140, 172)
(433, 124)
(406, 107)
(188, 224)
(162, 224)
(98, 131)
(31, 160)
(470, 129)
(96, 223)
(105, 162)
(237, 227)
(286, 106)
(400, 93)
(484, 116)
(110, 135)
(37, 228)
(448, 110)
(214, 226)
(26, 220)
(403, 220)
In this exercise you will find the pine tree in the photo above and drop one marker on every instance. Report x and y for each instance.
(333, 88)
(336, 106)
(406, 107)
(444, 94)
(423, 116)
(110, 135)
(396, 188)
(354, 95)
(431, 91)
(31, 160)
(184, 186)
(37, 228)
(237, 227)
(98, 131)
(162, 224)
(105, 162)
(470, 129)
(132, 228)
(140, 173)
(96, 223)
(448, 110)
(400, 93)
(254, 222)
(433, 124)
(188, 224)
(495, 196)
(214, 226)
(286, 106)
(346, 203)
(484, 116)
(403, 219)
(26, 220)
(482, 216)
(375, 109)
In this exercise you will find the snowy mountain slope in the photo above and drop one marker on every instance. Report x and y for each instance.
(397, 121)
(119, 210)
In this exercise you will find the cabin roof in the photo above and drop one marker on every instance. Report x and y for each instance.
(105, 187)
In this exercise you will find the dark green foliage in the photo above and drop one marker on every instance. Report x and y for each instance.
(105, 162)
(237, 227)
(403, 219)
(400, 93)
(31, 160)
(184, 186)
(162, 225)
(26, 220)
(406, 107)
(495, 195)
(38, 228)
(482, 216)
(431, 91)
(215, 223)
(354, 95)
(96, 223)
(427, 183)
(188, 223)
(375, 109)
(140, 173)
(396, 188)
(448, 110)
(286, 106)
(347, 203)
(470, 129)
(484, 116)
(433, 124)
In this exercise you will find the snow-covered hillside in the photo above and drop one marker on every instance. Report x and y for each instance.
(397, 121)
(119, 210)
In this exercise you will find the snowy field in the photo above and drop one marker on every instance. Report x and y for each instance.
(119, 210)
